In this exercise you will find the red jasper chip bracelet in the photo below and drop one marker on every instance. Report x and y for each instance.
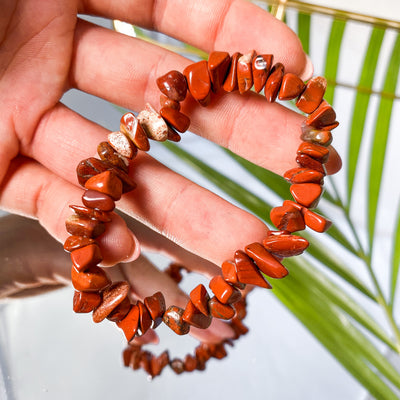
(106, 179)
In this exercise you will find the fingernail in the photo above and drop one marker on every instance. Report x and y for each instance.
(134, 253)
(308, 70)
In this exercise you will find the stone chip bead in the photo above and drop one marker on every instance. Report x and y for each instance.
(287, 218)
(86, 257)
(122, 144)
(306, 194)
(285, 245)
(265, 261)
(195, 317)
(173, 318)
(312, 95)
(93, 279)
(199, 82)
(145, 320)
(317, 152)
(121, 311)
(155, 304)
(131, 127)
(248, 272)
(261, 67)
(231, 81)
(189, 363)
(225, 293)
(166, 102)
(85, 302)
(244, 72)
(200, 297)
(101, 201)
(130, 323)
(177, 366)
(112, 296)
(108, 154)
(305, 161)
(323, 138)
(153, 124)
(107, 183)
(220, 310)
(176, 119)
(316, 222)
(324, 115)
(90, 167)
(229, 273)
(303, 175)
(82, 226)
(291, 87)
(218, 65)
(91, 213)
(274, 81)
(76, 242)
(173, 85)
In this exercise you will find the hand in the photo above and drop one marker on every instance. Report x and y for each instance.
(46, 50)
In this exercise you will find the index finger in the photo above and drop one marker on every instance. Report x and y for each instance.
(229, 25)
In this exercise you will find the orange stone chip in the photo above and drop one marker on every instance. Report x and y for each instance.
(244, 72)
(173, 85)
(303, 175)
(199, 82)
(291, 87)
(219, 310)
(287, 218)
(93, 279)
(248, 272)
(312, 95)
(82, 226)
(229, 273)
(173, 319)
(317, 152)
(260, 67)
(224, 292)
(285, 245)
(200, 298)
(176, 119)
(194, 317)
(218, 64)
(76, 242)
(324, 115)
(274, 82)
(189, 363)
(86, 257)
(107, 183)
(131, 127)
(145, 320)
(130, 323)
(156, 306)
(240, 308)
(316, 222)
(85, 302)
(231, 82)
(265, 261)
(305, 161)
(121, 311)
(306, 194)
(111, 298)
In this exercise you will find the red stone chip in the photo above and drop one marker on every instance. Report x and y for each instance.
(158, 363)
(224, 292)
(220, 310)
(173, 135)
(145, 320)
(303, 175)
(244, 72)
(324, 115)
(291, 87)
(121, 311)
(130, 323)
(166, 102)
(177, 366)
(92, 280)
(92, 213)
(200, 298)
(274, 82)
(82, 226)
(156, 307)
(306, 194)
(86, 257)
(287, 218)
(199, 83)
(106, 182)
(218, 65)
(173, 319)
(85, 302)
(323, 138)
(312, 95)
(173, 85)
(95, 199)
(108, 154)
(131, 127)
(285, 245)
(305, 161)
(112, 296)
(76, 242)
(248, 272)
(217, 350)
(229, 273)
(194, 317)
(231, 82)
(90, 167)
(176, 119)
(240, 308)
(265, 261)
(317, 152)
(189, 363)
(316, 222)
(260, 68)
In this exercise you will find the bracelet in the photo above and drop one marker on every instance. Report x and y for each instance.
(106, 179)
